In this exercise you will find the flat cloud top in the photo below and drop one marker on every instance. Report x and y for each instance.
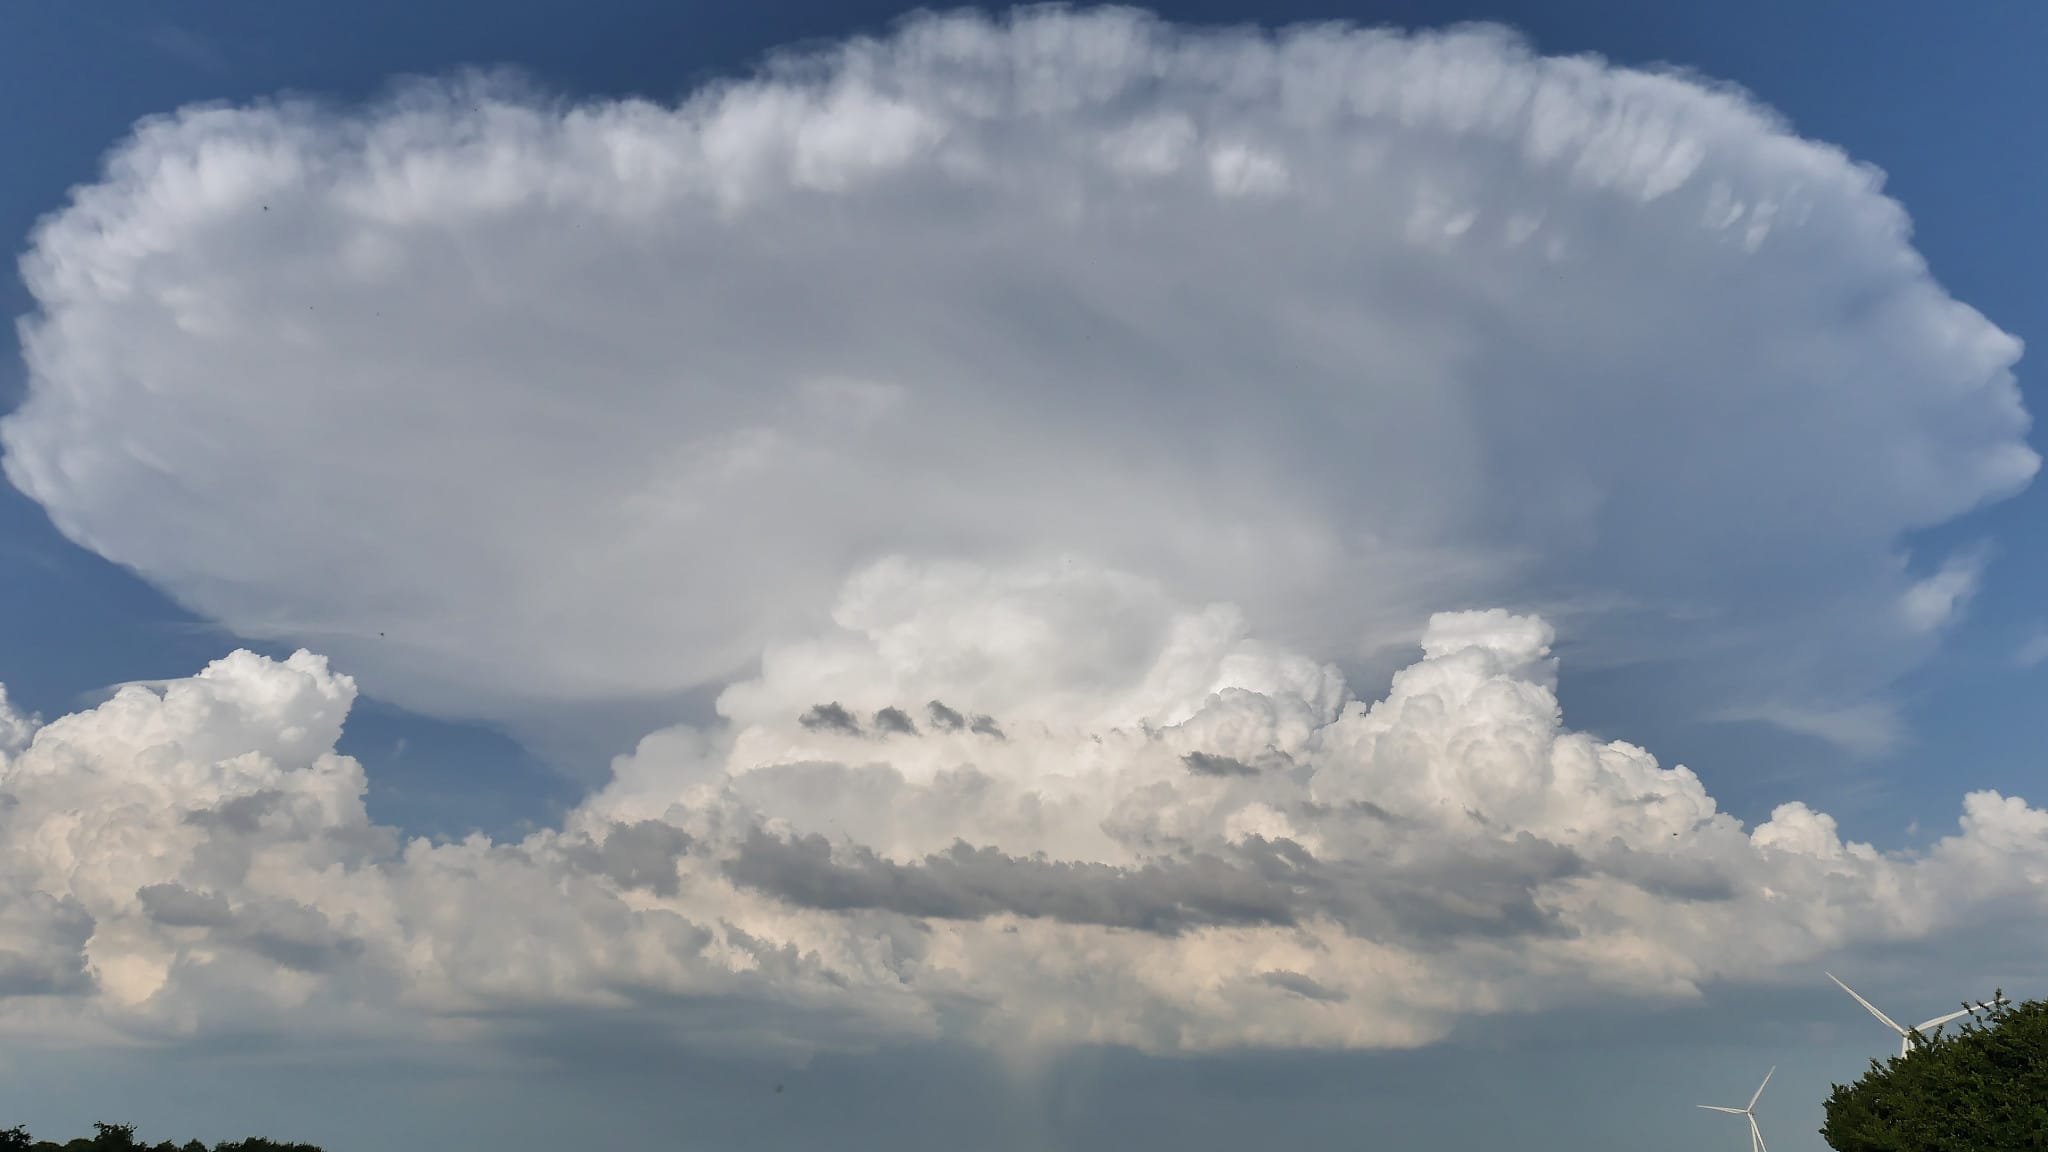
(504, 400)
(195, 861)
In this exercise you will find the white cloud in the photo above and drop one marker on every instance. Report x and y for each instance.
(1938, 600)
(505, 401)
(15, 729)
(1212, 846)
(1866, 728)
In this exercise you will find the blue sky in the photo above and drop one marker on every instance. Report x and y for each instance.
(486, 729)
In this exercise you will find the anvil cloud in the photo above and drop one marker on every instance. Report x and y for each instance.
(506, 401)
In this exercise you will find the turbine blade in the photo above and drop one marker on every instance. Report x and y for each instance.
(1718, 1108)
(1757, 1134)
(1760, 1088)
(1940, 1020)
(1888, 1021)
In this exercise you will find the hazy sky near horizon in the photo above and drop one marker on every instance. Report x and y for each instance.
(1029, 578)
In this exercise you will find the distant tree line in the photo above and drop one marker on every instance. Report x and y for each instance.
(121, 1138)
(1983, 1088)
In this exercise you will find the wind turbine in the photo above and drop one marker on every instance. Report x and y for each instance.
(1756, 1134)
(1905, 1034)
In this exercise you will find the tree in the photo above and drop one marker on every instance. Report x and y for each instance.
(121, 1138)
(1983, 1088)
(113, 1137)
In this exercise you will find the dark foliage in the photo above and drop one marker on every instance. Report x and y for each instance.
(1983, 1088)
(121, 1138)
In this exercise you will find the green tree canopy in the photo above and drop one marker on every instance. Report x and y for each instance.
(1982, 1088)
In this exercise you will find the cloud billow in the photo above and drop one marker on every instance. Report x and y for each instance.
(894, 721)
(1404, 865)
(830, 718)
(1344, 326)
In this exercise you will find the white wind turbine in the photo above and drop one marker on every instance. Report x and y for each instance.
(1756, 1134)
(1905, 1034)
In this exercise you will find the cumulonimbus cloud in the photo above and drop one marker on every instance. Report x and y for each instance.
(195, 859)
(502, 399)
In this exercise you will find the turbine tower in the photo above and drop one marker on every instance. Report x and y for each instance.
(1756, 1134)
(1905, 1034)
